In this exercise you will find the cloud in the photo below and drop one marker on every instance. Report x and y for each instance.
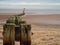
(26, 3)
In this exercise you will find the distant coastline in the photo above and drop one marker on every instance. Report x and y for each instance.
(31, 11)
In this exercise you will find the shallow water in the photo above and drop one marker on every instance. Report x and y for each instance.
(46, 22)
(31, 11)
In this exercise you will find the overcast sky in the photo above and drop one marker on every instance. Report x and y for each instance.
(35, 4)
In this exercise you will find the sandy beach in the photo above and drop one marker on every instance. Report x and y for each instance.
(42, 34)
(42, 15)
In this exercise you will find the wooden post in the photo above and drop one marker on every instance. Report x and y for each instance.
(9, 34)
(25, 37)
(22, 35)
(28, 29)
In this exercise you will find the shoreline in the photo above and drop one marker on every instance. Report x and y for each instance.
(47, 20)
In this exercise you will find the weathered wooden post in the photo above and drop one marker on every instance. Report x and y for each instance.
(16, 29)
(9, 34)
(28, 29)
(25, 34)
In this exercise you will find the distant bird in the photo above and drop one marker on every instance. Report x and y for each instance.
(22, 13)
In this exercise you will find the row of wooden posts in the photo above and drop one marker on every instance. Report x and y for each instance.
(12, 33)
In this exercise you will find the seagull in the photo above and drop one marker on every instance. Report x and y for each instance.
(22, 13)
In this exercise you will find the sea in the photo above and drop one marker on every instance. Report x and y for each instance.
(34, 12)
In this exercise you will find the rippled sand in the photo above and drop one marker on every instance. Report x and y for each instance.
(43, 35)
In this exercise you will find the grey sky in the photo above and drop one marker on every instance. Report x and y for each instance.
(51, 1)
(47, 4)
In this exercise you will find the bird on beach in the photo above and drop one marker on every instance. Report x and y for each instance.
(21, 14)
